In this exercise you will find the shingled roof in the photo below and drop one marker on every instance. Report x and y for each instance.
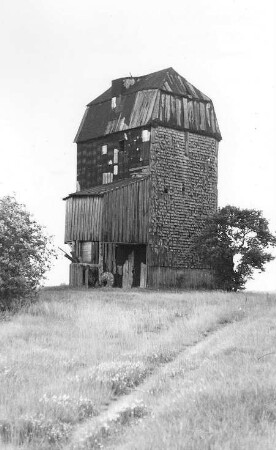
(99, 191)
(162, 97)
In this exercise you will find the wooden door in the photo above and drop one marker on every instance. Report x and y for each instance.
(128, 271)
(143, 275)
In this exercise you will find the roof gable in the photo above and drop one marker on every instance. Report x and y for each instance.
(167, 80)
(162, 97)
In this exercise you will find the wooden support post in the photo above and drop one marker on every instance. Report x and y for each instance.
(86, 275)
(100, 259)
(143, 276)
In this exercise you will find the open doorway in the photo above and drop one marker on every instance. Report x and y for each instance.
(131, 266)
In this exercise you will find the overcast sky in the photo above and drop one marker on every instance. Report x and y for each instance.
(57, 55)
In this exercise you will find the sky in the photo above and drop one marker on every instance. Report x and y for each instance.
(57, 55)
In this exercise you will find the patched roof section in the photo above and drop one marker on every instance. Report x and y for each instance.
(99, 191)
(162, 97)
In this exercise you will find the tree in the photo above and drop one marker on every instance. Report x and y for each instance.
(235, 242)
(25, 253)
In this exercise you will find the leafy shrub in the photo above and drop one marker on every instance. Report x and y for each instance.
(234, 242)
(25, 254)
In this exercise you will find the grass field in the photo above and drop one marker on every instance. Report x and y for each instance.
(139, 370)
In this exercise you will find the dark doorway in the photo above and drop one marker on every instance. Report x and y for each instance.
(129, 261)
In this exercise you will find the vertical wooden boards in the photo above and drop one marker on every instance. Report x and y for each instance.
(109, 262)
(83, 220)
(152, 98)
(125, 213)
(179, 116)
(128, 271)
(76, 275)
(95, 252)
(213, 121)
(202, 117)
(143, 276)
(142, 109)
(208, 118)
(191, 115)
(196, 114)
(86, 251)
(120, 215)
(86, 275)
(155, 112)
(101, 257)
(164, 277)
(185, 113)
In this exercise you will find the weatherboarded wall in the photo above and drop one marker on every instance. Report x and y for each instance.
(167, 277)
(126, 213)
(119, 215)
(83, 219)
(183, 169)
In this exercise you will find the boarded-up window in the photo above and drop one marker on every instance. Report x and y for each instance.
(122, 145)
(86, 251)
(113, 102)
(107, 177)
(116, 151)
(145, 135)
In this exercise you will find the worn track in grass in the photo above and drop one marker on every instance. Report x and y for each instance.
(98, 431)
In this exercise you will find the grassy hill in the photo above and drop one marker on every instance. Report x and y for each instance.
(139, 370)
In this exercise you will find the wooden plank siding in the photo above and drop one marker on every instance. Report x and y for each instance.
(118, 215)
(126, 213)
(83, 219)
(161, 97)
(75, 275)
(168, 277)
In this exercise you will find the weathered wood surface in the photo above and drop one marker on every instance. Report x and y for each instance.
(143, 276)
(119, 215)
(76, 275)
(160, 97)
(109, 262)
(128, 271)
(83, 220)
(162, 277)
(125, 213)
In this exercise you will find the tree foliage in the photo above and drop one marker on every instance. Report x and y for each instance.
(25, 253)
(235, 242)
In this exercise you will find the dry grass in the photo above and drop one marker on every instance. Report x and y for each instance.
(65, 359)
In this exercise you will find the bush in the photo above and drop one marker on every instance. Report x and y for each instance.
(25, 254)
(235, 242)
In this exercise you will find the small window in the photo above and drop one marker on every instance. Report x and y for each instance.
(145, 135)
(113, 102)
(110, 162)
(104, 149)
(115, 159)
(107, 177)
(122, 145)
(115, 170)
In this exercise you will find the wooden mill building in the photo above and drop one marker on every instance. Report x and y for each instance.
(146, 180)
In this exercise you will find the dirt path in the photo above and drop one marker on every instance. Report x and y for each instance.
(96, 432)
